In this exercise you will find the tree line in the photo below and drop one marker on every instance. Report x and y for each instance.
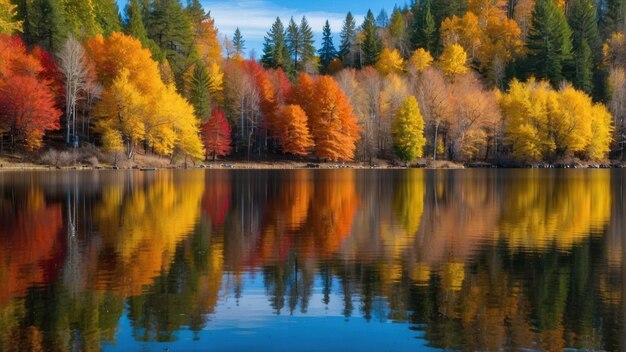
(464, 80)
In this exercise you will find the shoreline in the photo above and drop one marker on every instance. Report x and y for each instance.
(6, 166)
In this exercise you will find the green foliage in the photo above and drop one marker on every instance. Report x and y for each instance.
(372, 44)
(238, 42)
(348, 38)
(108, 16)
(170, 28)
(46, 26)
(424, 30)
(327, 52)
(275, 50)
(549, 42)
(408, 131)
(199, 95)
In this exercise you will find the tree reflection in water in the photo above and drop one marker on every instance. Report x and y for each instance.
(472, 259)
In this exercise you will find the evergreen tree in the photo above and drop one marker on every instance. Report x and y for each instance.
(549, 42)
(443, 9)
(294, 43)
(348, 38)
(108, 16)
(275, 50)
(371, 43)
(238, 42)
(46, 24)
(327, 52)
(195, 12)
(135, 27)
(199, 95)
(583, 68)
(582, 18)
(306, 33)
(382, 20)
(424, 30)
(586, 40)
(613, 17)
(81, 18)
(171, 30)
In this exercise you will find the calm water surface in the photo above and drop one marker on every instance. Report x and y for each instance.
(313, 260)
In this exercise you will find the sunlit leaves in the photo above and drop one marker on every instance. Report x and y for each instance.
(408, 131)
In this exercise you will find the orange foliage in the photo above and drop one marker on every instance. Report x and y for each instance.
(335, 127)
(31, 245)
(293, 133)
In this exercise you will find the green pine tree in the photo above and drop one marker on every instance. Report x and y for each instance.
(294, 43)
(424, 30)
(549, 42)
(238, 42)
(172, 31)
(583, 68)
(199, 95)
(348, 38)
(80, 17)
(613, 17)
(195, 12)
(307, 48)
(46, 24)
(327, 52)
(372, 44)
(582, 18)
(134, 26)
(108, 16)
(275, 50)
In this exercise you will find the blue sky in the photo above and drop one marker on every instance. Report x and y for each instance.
(254, 17)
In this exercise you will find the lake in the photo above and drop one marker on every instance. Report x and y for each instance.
(313, 260)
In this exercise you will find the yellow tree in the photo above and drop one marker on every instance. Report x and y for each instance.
(525, 114)
(419, 61)
(491, 39)
(121, 115)
(453, 61)
(389, 62)
(602, 130)
(408, 131)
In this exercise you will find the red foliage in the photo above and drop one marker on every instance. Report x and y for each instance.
(27, 104)
(216, 135)
(217, 198)
(27, 110)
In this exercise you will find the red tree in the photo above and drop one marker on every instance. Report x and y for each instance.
(216, 135)
(27, 102)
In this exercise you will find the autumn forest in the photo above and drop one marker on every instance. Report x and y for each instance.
(502, 81)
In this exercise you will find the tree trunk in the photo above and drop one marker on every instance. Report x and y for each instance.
(435, 142)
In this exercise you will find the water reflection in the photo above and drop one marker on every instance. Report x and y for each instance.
(468, 259)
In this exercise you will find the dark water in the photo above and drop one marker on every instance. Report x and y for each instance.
(313, 260)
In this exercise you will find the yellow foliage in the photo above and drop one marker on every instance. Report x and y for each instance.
(420, 60)
(8, 12)
(555, 208)
(453, 60)
(123, 109)
(602, 132)
(614, 49)
(137, 105)
(541, 123)
(389, 62)
(487, 34)
(144, 226)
